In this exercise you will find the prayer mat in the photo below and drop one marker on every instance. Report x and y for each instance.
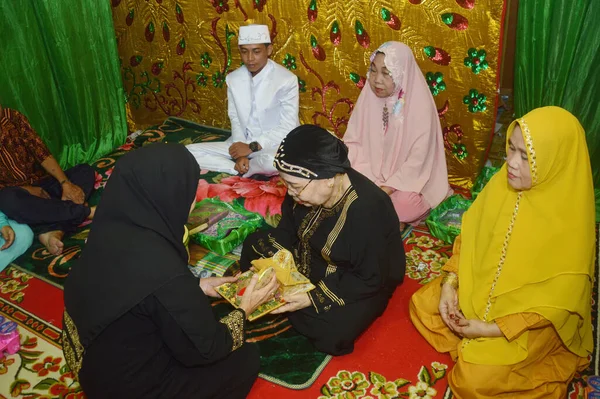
(213, 264)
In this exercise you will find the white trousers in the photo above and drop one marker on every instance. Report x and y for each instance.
(215, 157)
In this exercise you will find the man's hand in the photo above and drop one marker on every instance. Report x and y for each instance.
(36, 191)
(242, 165)
(208, 284)
(239, 149)
(72, 192)
(9, 236)
(293, 303)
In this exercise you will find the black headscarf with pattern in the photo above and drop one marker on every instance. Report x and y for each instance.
(311, 152)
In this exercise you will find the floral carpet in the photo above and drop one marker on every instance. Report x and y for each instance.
(38, 370)
(390, 360)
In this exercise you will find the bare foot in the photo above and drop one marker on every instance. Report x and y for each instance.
(402, 226)
(52, 240)
(92, 212)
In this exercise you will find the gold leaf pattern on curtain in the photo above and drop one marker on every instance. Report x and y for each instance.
(175, 56)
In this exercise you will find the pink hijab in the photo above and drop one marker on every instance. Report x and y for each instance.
(408, 156)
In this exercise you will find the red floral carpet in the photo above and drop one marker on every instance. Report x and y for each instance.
(391, 360)
(38, 370)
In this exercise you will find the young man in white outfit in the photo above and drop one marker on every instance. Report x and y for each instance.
(263, 104)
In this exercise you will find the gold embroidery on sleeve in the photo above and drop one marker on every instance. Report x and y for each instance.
(72, 348)
(275, 244)
(330, 294)
(313, 302)
(256, 251)
(330, 270)
(234, 322)
(319, 295)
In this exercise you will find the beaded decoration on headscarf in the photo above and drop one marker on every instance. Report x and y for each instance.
(396, 72)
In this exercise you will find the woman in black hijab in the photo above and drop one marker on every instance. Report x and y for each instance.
(137, 324)
(345, 237)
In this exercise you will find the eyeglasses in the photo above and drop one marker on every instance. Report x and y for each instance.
(297, 193)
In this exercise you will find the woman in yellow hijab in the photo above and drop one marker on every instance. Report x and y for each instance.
(514, 305)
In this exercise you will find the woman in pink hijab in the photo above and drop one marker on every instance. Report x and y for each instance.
(394, 135)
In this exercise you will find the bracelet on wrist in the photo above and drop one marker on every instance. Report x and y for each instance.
(450, 278)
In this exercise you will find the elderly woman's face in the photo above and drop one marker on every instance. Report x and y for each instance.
(307, 192)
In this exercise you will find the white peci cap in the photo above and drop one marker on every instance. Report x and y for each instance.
(254, 34)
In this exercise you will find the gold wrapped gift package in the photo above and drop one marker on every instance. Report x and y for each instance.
(282, 265)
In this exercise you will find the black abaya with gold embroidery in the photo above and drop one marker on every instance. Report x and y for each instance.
(353, 253)
(136, 323)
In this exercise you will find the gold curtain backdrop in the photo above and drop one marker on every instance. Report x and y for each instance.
(175, 56)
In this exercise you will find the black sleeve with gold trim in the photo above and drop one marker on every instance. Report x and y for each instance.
(72, 348)
(323, 299)
(236, 324)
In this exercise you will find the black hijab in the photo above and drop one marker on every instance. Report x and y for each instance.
(311, 152)
(136, 241)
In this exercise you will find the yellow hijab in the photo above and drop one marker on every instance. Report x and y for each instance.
(538, 244)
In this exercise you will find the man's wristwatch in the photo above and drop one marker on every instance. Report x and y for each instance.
(254, 146)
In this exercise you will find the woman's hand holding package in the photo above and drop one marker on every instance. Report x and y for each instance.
(252, 298)
(294, 302)
(208, 284)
